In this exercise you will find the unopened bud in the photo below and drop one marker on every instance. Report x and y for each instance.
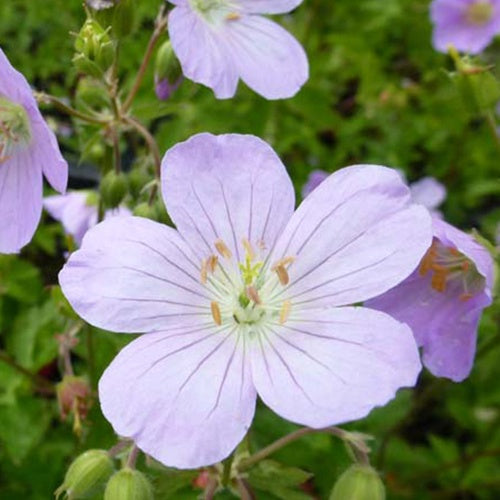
(168, 72)
(94, 49)
(128, 484)
(359, 482)
(113, 189)
(86, 475)
(137, 179)
(145, 210)
(124, 18)
(74, 397)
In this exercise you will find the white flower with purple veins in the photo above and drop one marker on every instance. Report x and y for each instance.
(220, 41)
(248, 298)
(77, 212)
(28, 150)
(468, 25)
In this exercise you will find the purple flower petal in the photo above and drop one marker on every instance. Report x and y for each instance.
(268, 6)
(203, 58)
(428, 192)
(20, 201)
(325, 367)
(221, 45)
(226, 187)
(268, 59)
(353, 237)
(184, 396)
(74, 213)
(316, 177)
(135, 275)
(444, 319)
(21, 172)
(453, 25)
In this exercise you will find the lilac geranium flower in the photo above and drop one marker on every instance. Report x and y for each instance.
(247, 297)
(468, 25)
(220, 41)
(316, 177)
(443, 299)
(28, 148)
(78, 212)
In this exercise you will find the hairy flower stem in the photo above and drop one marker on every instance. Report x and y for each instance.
(118, 448)
(210, 489)
(360, 454)
(150, 141)
(226, 472)
(44, 98)
(132, 458)
(160, 25)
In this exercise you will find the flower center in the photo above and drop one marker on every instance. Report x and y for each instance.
(480, 12)
(246, 293)
(450, 268)
(216, 12)
(15, 130)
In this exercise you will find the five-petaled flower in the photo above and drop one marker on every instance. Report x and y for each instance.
(27, 148)
(468, 25)
(220, 41)
(247, 297)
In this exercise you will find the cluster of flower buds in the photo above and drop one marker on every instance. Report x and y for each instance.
(93, 472)
(95, 51)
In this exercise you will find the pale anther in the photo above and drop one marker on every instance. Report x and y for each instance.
(248, 248)
(212, 263)
(216, 313)
(223, 249)
(252, 294)
(203, 271)
(285, 311)
(282, 274)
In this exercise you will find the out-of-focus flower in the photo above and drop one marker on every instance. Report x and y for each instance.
(468, 25)
(77, 212)
(428, 192)
(28, 150)
(443, 299)
(101, 4)
(248, 297)
(316, 177)
(220, 41)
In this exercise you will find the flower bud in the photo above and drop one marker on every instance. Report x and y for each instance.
(137, 179)
(128, 484)
(73, 396)
(94, 49)
(359, 482)
(86, 475)
(168, 72)
(124, 18)
(113, 188)
(145, 210)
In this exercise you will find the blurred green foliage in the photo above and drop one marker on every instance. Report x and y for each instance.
(378, 93)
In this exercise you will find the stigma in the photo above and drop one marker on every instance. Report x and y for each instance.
(244, 292)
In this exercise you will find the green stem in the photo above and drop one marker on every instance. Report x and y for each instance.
(226, 472)
(41, 384)
(132, 458)
(160, 25)
(150, 141)
(50, 99)
(245, 464)
(490, 120)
